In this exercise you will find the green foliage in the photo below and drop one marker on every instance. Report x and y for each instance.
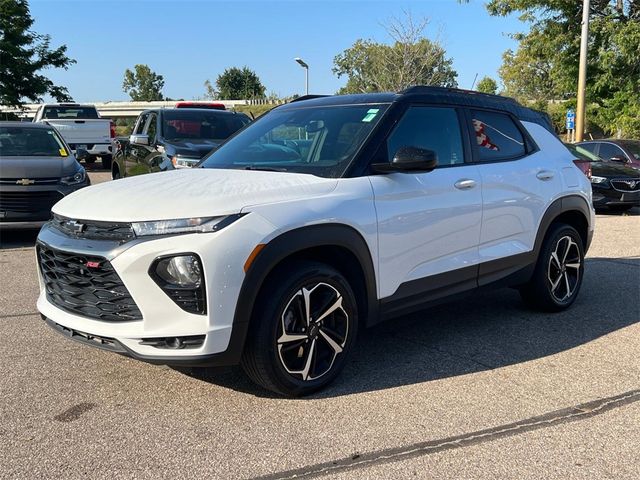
(23, 54)
(143, 85)
(487, 85)
(237, 83)
(545, 65)
(410, 59)
(254, 111)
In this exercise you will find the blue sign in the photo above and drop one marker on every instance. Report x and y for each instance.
(571, 114)
(571, 123)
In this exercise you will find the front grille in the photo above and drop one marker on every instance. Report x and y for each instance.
(32, 181)
(116, 231)
(85, 285)
(28, 201)
(626, 185)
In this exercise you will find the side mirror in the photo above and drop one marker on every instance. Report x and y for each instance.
(139, 139)
(81, 154)
(619, 158)
(409, 159)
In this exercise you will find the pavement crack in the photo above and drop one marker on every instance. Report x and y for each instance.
(75, 412)
(550, 419)
(10, 315)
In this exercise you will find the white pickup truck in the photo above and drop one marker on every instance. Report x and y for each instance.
(81, 127)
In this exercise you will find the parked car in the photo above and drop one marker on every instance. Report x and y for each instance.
(615, 185)
(623, 151)
(322, 217)
(82, 128)
(37, 169)
(166, 139)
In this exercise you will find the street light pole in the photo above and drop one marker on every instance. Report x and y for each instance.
(582, 75)
(306, 73)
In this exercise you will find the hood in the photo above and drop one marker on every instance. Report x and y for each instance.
(190, 148)
(188, 193)
(609, 169)
(37, 167)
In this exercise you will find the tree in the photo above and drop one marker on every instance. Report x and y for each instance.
(487, 85)
(545, 64)
(23, 54)
(143, 85)
(237, 83)
(210, 93)
(411, 59)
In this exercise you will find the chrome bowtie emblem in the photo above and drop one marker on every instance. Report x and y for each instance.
(25, 181)
(75, 227)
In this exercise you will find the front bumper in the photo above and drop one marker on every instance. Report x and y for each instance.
(607, 196)
(94, 148)
(221, 332)
(32, 204)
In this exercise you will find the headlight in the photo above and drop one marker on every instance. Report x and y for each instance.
(184, 162)
(77, 177)
(595, 179)
(183, 225)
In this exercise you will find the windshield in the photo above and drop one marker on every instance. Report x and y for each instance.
(320, 141)
(30, 142)
(75, 113)
(182, 124)
(582, 153)
(633, 147)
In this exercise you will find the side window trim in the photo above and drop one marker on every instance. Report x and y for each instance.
(153, 117)
(142, 121)
(530, 145)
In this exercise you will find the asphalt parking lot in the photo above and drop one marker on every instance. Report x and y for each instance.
(478, 389)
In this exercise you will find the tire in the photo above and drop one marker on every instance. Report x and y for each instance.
(106, 161)
(90, 160)
(285, 353)
(115, 174)
(557, 277)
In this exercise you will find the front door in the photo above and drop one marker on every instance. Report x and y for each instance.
(428, 222)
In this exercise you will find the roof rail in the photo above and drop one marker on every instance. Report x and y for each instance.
(307, 97)
(428, 89)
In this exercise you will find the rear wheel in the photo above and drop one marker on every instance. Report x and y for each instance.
(559, 270)
(304, 330)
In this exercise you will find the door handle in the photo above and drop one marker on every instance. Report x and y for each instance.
(465, 184)
(545, 175)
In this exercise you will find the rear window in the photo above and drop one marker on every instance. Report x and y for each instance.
(30, 142)
(497, 136)
(182, 124)
(70, 112)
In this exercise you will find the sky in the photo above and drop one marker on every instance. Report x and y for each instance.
(190, 41)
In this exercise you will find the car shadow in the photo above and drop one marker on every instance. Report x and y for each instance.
(484, 332)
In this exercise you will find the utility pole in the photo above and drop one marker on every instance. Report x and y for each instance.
(303, 64)
(582, 75)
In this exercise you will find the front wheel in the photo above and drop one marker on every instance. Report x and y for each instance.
(558, 273)
(304, 330)
(106, 161)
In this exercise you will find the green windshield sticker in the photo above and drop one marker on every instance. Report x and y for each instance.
(371, 114)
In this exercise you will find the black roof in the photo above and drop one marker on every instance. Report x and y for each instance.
(434, 95)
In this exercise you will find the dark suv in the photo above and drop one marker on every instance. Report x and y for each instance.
(165, 139)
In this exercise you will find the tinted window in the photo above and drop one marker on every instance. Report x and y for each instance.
(153, 127)
(316, 140)
(591, 147)
(30, 142)
(181, 124)
(497, 136)
(140, 125)
(609, 150)
(70, 112)
(430, 128)
(633, 147)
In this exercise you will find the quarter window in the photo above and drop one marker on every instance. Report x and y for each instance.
(497, 136)
(431, 128)
(140, 126)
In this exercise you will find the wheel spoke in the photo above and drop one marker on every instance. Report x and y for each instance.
(570, 243)
(286, 337)
(573, 265)
(307, 365)
(554, 285)
(307, 305)
(332, 343)
(337, 304)
(554, 257)
(566, 281)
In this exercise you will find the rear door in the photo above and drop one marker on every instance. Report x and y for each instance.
(518, 183)
(428, 222)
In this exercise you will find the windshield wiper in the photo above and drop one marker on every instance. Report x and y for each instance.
(265, 169)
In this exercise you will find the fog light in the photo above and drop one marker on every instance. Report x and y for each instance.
(181, 278)
(184, 271)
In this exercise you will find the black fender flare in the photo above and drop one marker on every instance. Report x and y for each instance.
(557, 208)
(287, 244)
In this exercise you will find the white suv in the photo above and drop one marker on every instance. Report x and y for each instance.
(325, 216)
